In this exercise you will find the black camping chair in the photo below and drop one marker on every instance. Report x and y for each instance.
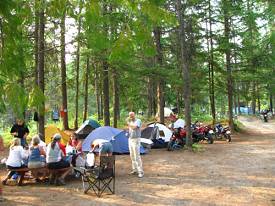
(100, 177)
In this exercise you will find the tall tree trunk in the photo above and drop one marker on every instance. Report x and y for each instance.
(36, 37)
(259, 103)
(271, 103)
(178, 101)
(101, 111)
(150, 97)
(211, 64)
(239, 103)
(160, 85)
(253, 97)
(41, 54)
(228, 64)
(235, 104)
(2, 37)
(97, 92)
(106, 96)
(115, 98)
(180, 9)
(77, 67)
(63, 72)
(85, 112)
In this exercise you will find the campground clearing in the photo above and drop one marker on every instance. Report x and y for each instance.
(237, 173)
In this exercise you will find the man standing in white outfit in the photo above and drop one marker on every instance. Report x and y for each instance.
(134, 144)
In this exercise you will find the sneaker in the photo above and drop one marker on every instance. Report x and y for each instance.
(15, 176)
(140, 175)
(133, 172)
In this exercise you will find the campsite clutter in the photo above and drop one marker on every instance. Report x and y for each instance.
(73, 154)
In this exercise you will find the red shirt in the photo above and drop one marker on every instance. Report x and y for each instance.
(63, 148)
(74, 143)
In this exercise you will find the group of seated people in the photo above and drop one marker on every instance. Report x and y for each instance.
(52, 156)
(38, 155)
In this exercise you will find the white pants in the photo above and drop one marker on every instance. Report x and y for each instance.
(134, 147)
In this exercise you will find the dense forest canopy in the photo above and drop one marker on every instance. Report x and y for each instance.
(108, 57)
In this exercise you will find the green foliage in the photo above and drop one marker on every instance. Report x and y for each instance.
(36, 99)
(16, 98)
(120, 32)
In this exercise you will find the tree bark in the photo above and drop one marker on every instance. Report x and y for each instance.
(239, 103)
(271, 103)
(115, 98)
(77, 67)
(259, 104)
(211, 64)
(178, 101)
(63, 72)
(228, 65)
(41, 64)
(160, 85)
(85, 112)
(97, 92)
(106, 95)
(150, 97)
(253, 98)
(180, 9)
(2, 37)
(36, 37)
(101, 111)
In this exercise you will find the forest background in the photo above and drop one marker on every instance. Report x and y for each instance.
(101, 59)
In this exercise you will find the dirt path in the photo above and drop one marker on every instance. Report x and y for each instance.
(239, 173)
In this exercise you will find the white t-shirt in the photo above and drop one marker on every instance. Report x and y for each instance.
(53, 155)
(16, 156)
(99, 142)
(135, 133)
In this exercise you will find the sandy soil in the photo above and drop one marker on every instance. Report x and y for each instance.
(237, 173)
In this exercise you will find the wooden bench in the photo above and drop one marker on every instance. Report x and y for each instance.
(23, 171)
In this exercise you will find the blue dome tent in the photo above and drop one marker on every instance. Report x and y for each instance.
(117, 137)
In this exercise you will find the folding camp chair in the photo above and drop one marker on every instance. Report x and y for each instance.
(100, 177)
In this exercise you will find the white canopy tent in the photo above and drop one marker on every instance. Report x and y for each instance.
(164, 132)
(180, 123)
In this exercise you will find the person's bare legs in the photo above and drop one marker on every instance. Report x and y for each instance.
(61, 179)
(4, 181)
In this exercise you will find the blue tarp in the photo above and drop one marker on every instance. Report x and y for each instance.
(117, 137)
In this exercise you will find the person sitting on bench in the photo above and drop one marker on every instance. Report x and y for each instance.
(15, 159)
(55, 159)
(75, 146)
(37, 157)
(75, 143)
(105, 148)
